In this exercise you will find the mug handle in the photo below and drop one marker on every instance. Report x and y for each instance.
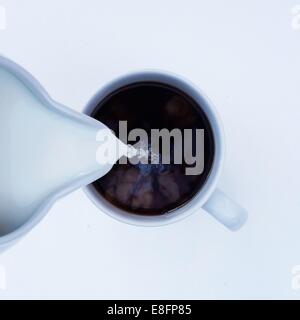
(226, 211)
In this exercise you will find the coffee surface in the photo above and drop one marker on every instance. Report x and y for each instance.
(153, 189)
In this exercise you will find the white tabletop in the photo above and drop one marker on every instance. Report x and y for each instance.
(245, 56)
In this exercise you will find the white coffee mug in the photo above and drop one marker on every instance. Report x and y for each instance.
(209, 198)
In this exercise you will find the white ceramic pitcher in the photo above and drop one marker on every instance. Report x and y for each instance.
(47, 151)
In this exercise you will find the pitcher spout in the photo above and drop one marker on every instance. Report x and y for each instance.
(47, 150)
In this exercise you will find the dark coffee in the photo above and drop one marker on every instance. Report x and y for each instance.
(153, 189)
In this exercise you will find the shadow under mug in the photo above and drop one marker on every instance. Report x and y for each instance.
(209, 198)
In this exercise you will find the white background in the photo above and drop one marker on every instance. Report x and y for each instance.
(246, 56)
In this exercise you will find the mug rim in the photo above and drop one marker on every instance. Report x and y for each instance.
(194, 204)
